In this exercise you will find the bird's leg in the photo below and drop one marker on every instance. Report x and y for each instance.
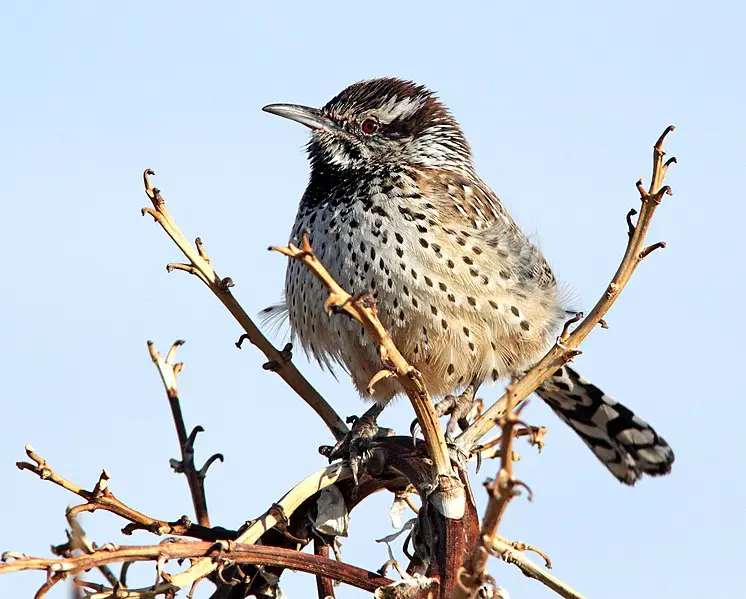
(355, 446)
(457, 407)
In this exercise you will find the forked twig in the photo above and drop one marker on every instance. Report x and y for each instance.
(200, 266)
(101, 498)
(169, 370)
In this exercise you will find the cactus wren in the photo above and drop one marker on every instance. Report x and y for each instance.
(395, 207)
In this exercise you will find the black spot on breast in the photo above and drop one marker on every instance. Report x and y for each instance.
(399, 238)
(444, 324)
(525, 326)
(471, 301)
(428, 281)
(423, 242)
(515, 311)
(443, 286)
(399, 252)
(494, 304)
(451, 298)
(450, 264)
(434, 310)
(468, 260)
(450, 370)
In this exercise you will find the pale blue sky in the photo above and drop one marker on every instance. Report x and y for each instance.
(561, 101)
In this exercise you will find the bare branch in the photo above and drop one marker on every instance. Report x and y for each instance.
(215, 553)
(565, 349)
(169, 370)
(199, 265)
(449, 498)
(101, 498)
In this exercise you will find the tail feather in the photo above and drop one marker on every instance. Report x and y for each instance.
(627, 445)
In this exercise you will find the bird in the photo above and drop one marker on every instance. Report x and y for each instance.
(395, 207)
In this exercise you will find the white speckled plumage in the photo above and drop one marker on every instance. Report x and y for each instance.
(395, 207)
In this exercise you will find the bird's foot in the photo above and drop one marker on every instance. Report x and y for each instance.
(458, 408)
(355, 447)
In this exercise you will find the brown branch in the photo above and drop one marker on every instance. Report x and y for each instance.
(324, 585)
(449, 495)
(565, 349)
(473, 575)
(200, 266)
(278, 513)
(220, 554)
(101, 498)
(195, 478)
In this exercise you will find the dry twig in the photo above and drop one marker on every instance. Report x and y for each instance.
(169, 370)
(449, 493)
(200, 266)
(565, 349)
(473, 576)
(101, 498)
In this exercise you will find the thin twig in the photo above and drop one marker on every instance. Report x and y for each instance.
(565, 349)
(101, 498)
(502, 489)
(362, 309)
(200, 266)
(169, 370)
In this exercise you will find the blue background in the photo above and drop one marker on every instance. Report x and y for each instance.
(561, 101)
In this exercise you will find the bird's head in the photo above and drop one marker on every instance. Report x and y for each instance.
(381, 123)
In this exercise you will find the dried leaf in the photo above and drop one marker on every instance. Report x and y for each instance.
(332, 518)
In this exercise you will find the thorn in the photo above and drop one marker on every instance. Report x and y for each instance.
(630, 226)
(659, 144)
(226, 283)
(203, 471)
(241, 339)
(189, 443)
(602, 323)
(147, 173)
(651, 248)
(657, 197)
(566, 329)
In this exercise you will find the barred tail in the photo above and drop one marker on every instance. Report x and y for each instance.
(626, 444)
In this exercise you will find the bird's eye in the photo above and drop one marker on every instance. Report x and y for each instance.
(369, 126)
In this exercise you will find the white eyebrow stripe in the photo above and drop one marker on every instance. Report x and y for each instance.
(396, 108)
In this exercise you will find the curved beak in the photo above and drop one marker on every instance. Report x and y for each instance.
(310, 117)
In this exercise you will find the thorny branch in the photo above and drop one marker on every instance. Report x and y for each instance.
(362, 308)
(565, 348)
(200, 266)
(195, 478)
